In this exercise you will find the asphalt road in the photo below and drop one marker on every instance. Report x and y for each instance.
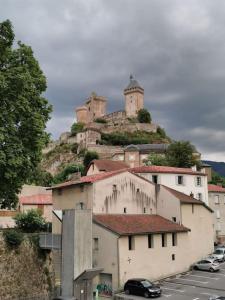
(194, 285)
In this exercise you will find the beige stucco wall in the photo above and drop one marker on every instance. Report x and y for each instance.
(69, 199)
(218, 215)
(168, 206)
(200, 221)
(93, 169)
(152, 263)
(106, 256)
(126, 195)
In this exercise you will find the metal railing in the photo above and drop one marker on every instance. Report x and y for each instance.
(50, 241)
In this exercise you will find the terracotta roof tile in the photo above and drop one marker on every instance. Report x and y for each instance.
(137, 224)
(165, 169)
(44, 199)
(109, 165)
(89, 179)
(216, 188)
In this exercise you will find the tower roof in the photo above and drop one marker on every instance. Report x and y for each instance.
(134, 84)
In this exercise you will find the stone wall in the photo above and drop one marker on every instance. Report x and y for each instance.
(25, 274)
(105, 152)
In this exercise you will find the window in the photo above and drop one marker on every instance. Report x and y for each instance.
(150, 241)
(198, 181)
(144, 210)
(82, 188)
(173, 256)
(216, 199)
(174, 239)
(155, 179)
(114, 188)
(131, 242)
(199, 196)
(125, 210)
(180, 180)
(174, 219)
(193, 208)
(218, 214)
(138, 190)
(95, 244)
(164, 241)
(81, 205)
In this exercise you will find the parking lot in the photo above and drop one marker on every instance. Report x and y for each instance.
(194, 285)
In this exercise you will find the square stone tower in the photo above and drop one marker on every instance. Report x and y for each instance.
(134, 98)
(96, 107)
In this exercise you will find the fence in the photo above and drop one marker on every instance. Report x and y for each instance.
(50, 241)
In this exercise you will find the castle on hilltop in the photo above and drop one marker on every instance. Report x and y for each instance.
(95, 106)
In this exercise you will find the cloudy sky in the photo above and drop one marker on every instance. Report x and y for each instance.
(175, 49)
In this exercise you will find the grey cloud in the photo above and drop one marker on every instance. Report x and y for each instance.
(175, 49)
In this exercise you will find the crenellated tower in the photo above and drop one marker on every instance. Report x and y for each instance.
(134, 98)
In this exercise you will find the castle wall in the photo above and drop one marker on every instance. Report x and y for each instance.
(134, 101)
(81, 114)
(105, 151)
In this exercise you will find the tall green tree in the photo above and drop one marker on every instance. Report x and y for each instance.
(144, 116)
(89, 156)
(180, 154)
(23, 115)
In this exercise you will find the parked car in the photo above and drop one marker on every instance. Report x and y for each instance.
(207, 264)
(142, 287)
(217, 298)
(219, 254)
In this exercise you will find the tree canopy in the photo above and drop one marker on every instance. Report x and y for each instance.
(144, 116)
(179, 154)
(23, 115)
(89, 156)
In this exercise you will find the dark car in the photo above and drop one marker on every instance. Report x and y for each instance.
(142, 287)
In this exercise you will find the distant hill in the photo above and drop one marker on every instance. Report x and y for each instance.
(218, 167)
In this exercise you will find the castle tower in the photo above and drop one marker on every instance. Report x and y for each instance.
(96, 107)
(134, 98)
(81, 114)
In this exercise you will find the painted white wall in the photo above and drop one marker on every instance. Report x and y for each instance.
(189, 186)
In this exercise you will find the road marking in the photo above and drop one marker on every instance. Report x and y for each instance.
(203, 282)
(204, 277)
(181, 291)
(195, 299)
(206, 294)
(218, 274)
(166, 295)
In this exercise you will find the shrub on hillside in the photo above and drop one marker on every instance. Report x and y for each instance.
(100, 120)
(30, 221)
(69, 169)
(76, 127)
(144, 116)
(13, 238)
(89, 156)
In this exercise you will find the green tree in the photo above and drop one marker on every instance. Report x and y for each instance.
(89, 156)
(30, 221)
(180, 154)
(76, 127)
(156, 160)
(23, 115)
(69, 169)
(144, 116)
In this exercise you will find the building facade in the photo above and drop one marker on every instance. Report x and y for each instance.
(217, 203)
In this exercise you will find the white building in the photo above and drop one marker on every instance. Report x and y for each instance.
(185, 180)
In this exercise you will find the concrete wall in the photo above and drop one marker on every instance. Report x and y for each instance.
(168, 206)
(106, 256)
(70, 198)
(45, 209)
(6, 218)
(152, 263)
(217, 203)
(187, 188)
(125, 190)
(76, 247)
(200, 221)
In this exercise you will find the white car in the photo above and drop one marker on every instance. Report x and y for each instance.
(219, 254)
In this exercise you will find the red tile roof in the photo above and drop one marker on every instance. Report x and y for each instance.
(45, 199)
(109, 165)
(165, 169)
(186, 199)
(89, 179)
(216, 188)
(137, 224)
